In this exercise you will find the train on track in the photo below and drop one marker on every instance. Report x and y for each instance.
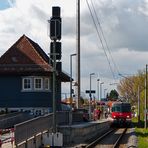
(121, 114)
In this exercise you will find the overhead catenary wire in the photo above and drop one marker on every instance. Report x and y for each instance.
(98, 33)
(100, 39)
(115, 65)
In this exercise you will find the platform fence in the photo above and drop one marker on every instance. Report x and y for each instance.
(33, 127)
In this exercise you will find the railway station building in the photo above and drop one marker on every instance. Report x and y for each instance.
(26, 78)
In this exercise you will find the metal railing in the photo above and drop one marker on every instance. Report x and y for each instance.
(30, 128)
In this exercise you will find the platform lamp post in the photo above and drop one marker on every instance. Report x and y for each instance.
(91, 74)
(105, 92)
(145, 113)
(70, 121)
(101, 90)
(98, 80)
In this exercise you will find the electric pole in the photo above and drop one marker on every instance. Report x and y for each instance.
(78, 54)
(145, 112)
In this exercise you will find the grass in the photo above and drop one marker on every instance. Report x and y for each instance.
(142, 134)
(142, 137)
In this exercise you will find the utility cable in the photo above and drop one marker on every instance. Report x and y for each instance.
(104, 37)
(100, 39)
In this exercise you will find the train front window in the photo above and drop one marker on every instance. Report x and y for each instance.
(116, 109)
(126, 108)
(121, 108)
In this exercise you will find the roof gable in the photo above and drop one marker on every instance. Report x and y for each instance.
(25, 53)
(25, 57)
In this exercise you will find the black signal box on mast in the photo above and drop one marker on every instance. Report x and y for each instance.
(55, 54)
(55, 24)
(57, 50)
(55, 12)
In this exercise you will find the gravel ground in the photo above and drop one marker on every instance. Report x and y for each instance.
(132, 140)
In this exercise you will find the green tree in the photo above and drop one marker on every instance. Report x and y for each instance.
(128, 89)
(113, 95)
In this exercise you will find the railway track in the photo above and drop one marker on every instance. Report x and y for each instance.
(116, 145)
(110, 139)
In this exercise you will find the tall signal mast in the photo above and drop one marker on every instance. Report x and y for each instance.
(78, 91)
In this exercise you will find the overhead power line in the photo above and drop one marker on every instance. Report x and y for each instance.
(109, 51)
(103, 37)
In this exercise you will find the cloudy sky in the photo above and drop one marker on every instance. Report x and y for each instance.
(124, 25)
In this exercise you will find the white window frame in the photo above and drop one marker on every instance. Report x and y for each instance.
(24, 83)
(44, 83)
(41, 88)
(46, 86)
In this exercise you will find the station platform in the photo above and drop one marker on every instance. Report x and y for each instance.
(82, 132)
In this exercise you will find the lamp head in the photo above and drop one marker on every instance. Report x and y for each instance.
(92, 74)
(73, 54)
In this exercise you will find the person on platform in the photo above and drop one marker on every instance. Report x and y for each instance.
(99, 113)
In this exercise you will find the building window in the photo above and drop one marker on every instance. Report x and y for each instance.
(46, 84)
(35, 84)
(38, 83)
(27, 84)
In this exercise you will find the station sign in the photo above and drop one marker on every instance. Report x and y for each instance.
(92, 91)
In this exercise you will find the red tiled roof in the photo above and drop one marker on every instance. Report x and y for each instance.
(26, 57)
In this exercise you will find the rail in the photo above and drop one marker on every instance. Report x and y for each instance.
(119, 139)
(92, 144)
(96, 141)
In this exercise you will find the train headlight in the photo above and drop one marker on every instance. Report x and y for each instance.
(114, 116)
(127, 116)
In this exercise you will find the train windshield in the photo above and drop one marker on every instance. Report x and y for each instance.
(121, 108)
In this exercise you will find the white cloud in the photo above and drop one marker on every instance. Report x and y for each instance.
(143, 7)
(124, 24)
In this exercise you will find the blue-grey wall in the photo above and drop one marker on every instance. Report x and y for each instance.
(11, 94)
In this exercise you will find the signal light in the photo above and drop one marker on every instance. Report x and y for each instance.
(58, 66)
(55, 28)
(72, 91)
(55, 24)
(57, 50)
(55, 11)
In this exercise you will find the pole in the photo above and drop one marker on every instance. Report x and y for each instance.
(145, 113)
(54, 84)
(98, 88)
(70, 117)
(90, 99)
(105, 93)
(138, 104)
(78, 53)
(101, 90)
(70, 80)
(70, 121)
